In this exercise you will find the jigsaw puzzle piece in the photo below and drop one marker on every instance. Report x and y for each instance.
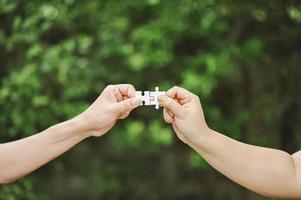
(155, 95)
(150, 98)
(145, 98)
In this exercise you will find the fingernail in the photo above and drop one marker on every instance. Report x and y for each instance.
(136, 102)
(162, 98)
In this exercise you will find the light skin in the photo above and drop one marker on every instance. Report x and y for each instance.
(21, 157)
(269, 172)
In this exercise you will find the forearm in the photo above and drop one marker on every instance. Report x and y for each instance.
(21, 157)
(266, 171)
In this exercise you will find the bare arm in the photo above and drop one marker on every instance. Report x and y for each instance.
(21, 157)
(269, 172)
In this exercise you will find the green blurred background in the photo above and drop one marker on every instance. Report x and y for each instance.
(241, 57)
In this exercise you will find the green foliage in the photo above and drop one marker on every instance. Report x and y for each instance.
(22, 190)
(241, 58)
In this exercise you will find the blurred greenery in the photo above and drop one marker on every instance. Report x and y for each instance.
(241, 57)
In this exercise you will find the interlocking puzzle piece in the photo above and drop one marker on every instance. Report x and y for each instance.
(145, 98)
(155, 95)
(150, 98)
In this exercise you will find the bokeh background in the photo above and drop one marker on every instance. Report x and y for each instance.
(241, 57)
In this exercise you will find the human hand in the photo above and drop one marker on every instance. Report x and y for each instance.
(183, 110)
(115, 102)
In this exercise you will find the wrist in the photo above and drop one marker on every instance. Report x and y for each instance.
(81, 125)
(203, 136)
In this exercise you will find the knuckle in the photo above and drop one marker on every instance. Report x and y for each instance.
(110, 86)
(176, 87)
(131, 88)
(173, 88)
(127, 85)
(197, 98)
(130, 85)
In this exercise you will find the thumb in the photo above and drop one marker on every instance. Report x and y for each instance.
(171, 105)
(128, 104)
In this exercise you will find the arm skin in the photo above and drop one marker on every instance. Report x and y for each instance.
(266, 171)
(269, 172)
(21, 157)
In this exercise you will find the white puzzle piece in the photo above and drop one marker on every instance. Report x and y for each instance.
(150, 97)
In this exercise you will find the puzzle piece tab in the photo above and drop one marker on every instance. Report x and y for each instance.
(150, 97)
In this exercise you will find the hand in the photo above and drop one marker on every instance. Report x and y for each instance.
(183, 110)
(115, 102)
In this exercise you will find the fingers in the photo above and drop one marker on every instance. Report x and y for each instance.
(124, 99)
(126, 106)
(181, 95)
(123, 91)
(168, 116)
(173, 106)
